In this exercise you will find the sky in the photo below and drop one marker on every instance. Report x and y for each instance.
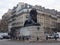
(9, 4)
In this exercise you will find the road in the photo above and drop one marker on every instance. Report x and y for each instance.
(7, 42)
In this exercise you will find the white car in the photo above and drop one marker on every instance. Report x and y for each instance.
(5, 36)
(49, 36)
(1, 37)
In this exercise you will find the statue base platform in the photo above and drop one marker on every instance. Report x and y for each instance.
(34, 32)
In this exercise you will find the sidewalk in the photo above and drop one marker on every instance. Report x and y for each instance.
(45, 41)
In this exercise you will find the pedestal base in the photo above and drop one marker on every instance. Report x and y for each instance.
(34, 33)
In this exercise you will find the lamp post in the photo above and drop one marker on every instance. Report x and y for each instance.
(28, 8)
(38, 28)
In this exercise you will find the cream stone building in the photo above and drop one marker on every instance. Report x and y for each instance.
(20, 14)
(47, 21)
(5, 20)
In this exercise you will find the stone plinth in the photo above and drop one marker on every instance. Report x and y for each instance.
(34, 32)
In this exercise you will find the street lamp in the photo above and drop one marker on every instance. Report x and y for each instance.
(28, 8)
(38, 28)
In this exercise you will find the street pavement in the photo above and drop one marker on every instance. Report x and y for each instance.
(10, 42)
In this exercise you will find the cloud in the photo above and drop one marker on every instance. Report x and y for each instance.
(2, 11)
(9, 4)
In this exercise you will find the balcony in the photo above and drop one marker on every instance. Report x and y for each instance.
(11, 20)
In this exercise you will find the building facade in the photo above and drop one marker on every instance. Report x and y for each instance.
(19, 14)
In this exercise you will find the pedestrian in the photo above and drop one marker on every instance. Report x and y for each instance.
(55, 36)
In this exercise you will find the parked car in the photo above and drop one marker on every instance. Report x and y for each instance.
(5, 36)
(49, 36)
(56, 36)
(52, 36)
(1, 37)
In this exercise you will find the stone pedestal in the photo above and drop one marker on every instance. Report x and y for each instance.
(33, 32)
